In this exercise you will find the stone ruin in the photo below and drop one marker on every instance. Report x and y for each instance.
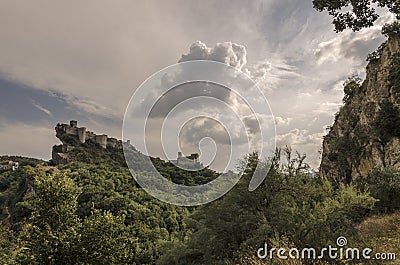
(82, 135)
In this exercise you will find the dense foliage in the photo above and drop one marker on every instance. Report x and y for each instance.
(355, 14)
(391, 30)
(82, 213)
(383, 185)
(387, 122)
(310, 211)
(76, 209)
(351, 85)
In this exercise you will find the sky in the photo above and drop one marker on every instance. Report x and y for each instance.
(83, 60)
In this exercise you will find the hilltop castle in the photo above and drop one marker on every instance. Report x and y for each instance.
(72, 135)
(84, 135)
(191, 161)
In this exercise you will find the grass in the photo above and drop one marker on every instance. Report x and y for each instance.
(382, 234)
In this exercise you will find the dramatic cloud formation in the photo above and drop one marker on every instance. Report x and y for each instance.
(353, 45)
(230, 53)
(83, 60)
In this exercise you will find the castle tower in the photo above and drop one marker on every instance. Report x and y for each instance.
(101, 140)
(82, 134)
(73, 124)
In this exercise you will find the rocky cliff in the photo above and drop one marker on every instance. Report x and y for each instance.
(366, 131)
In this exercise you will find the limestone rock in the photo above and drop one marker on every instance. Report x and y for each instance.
(357, 141)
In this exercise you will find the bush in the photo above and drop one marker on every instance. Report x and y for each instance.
(383, 185)
(350, 86)
(387, 122)
(391, 30)
(308, 210)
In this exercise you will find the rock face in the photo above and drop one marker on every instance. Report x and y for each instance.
(366, 133)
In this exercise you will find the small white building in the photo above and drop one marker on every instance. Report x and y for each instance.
(9, 164)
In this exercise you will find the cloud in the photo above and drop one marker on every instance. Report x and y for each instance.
(353, 45)
(282, 121)
(27, 140)
(227, 52)
(303, 141)
(164, 104)
(299, 137)
(327, 108)
(84, 60)
(41, 108)
(200, 128)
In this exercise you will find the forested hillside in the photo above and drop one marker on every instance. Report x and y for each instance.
(51, 213)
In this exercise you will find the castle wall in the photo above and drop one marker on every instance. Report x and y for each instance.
(81, 134)
(70, 130)
(90, 135)
(101, 140)
(66, 148)
(73, 123)
(57, 154)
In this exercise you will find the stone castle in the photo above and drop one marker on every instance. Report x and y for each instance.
(191, 161)
(72, 136)
(84, 135)
(81, 135)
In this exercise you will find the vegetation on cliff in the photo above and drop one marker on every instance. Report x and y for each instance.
(365, 134)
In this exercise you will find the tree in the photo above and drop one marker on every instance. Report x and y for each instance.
(9, 247)
(105, 239)
(56, 235)
(351, 85)
(355, 14)
(53, 231)
(387, 122)
(290, 202)
(384, 185)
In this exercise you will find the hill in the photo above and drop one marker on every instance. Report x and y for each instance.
(103, 182)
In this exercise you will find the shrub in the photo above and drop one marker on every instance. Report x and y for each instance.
(350, 86)
(383, 185)
(387, 122)
(390, 30)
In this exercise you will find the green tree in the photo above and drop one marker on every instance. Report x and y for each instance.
(355, 14)
(56, 235)
(351, 85)
(387, 122)
(53, 232)
(9, 243)
(104, 239)
(291, 201)
(383, 185)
